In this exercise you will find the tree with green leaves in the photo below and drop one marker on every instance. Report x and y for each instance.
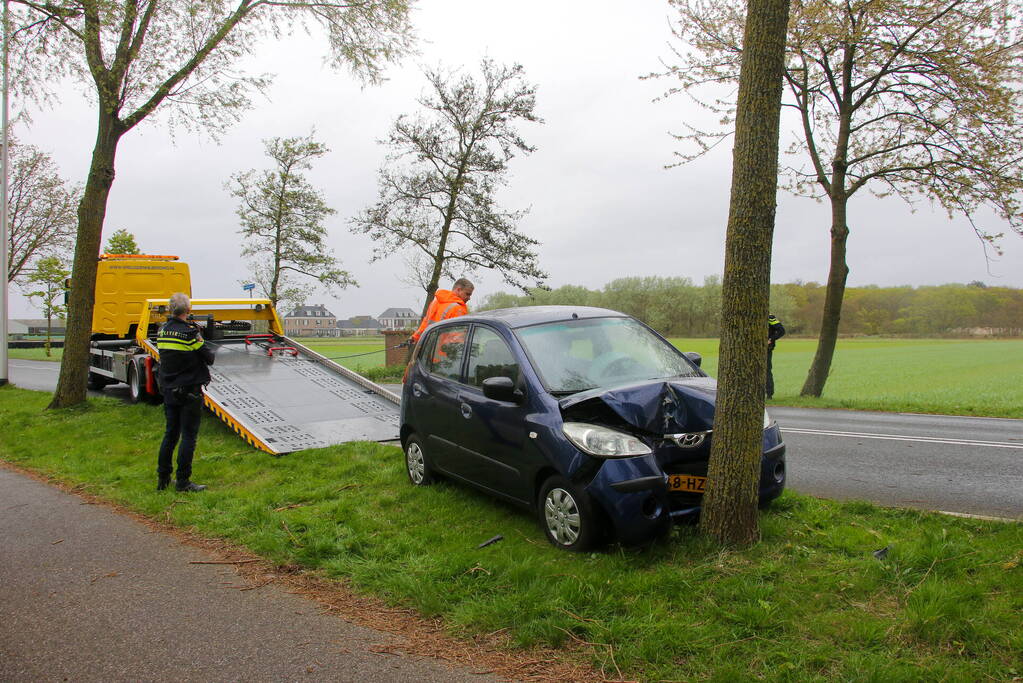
(41, 208)
(48, 275)
(917, 98)
(122, 242)
(437, 194)
(729, 512)
(282, 218)
(180, 57)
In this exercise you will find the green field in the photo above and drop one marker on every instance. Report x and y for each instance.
(809, 602)
(952, 377)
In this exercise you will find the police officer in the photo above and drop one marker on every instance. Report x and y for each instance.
(775, 331)
(184, 370)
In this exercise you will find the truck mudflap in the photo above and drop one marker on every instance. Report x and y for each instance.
(288, 400)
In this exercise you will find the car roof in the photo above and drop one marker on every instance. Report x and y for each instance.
(524, 316)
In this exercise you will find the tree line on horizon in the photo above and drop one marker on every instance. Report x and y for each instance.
(676, 306)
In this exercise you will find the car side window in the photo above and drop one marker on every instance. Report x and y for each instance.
(444, 352)
(489, 356)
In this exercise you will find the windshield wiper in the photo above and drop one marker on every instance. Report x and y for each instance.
(569, 392)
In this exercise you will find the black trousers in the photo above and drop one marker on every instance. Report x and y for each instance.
(183, 424)
(770, 374)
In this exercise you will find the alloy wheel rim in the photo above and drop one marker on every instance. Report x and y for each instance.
(562, 515)
(415, 462)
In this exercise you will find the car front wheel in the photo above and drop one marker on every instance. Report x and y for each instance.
(567, 515)
(416, 463)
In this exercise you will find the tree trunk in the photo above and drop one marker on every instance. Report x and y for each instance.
(445, 229)
(730, 503)
(438, 265)
(74, 368)
(833, 296)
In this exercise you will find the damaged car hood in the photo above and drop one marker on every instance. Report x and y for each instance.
(656, 406)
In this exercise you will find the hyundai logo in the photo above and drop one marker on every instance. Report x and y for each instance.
(688, 439)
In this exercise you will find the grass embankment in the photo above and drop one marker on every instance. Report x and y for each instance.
(950, 377)
(810, 602)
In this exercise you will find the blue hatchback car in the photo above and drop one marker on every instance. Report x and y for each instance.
(585, 415)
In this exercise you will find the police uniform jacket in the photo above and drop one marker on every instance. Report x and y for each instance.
(775, 331)
(184, 356)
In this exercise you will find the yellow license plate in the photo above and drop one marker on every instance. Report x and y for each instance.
(686, 482)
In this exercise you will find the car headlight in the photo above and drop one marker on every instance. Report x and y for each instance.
(604, 442)
(767, 420)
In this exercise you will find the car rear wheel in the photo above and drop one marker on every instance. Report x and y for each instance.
(416, 463)
(567, 515)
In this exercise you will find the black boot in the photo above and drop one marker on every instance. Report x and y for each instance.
(188, 487)
(163, 482)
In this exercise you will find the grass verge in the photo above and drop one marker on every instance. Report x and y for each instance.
(810, 602)
(37, 354)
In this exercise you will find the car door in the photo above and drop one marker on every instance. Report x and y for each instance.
(493, 433)
(436, 386)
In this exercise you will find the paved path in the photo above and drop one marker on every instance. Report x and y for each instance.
(87, 594)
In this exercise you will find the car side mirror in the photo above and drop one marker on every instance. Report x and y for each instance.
(694, 357)
(501, 389)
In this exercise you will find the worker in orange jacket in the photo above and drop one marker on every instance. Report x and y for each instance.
(446, 304)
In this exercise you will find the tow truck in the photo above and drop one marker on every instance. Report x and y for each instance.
(275, 393)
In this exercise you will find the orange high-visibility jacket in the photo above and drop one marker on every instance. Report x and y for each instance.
(446, 304)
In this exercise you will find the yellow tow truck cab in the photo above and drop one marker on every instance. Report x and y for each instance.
(125, 281)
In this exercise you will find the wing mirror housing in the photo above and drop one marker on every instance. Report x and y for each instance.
(501, 389)
(694, 357)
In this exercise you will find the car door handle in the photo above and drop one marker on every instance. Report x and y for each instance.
(466, 411)
(417, 389)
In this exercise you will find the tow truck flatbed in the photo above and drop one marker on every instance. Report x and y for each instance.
(281, 397)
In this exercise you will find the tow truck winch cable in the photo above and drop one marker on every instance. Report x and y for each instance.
(368, 353)
(354, 355)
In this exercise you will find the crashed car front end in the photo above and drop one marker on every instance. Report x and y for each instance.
(658, 475)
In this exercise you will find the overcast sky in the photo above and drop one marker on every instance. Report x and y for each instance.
(601, 202)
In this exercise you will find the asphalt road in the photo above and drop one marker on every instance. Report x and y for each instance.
(88, 594)
(953, 464)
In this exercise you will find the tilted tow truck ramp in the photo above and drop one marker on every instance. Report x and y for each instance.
(283, 397)
(275, 393)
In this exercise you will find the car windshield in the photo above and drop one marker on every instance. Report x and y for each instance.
(576, 355)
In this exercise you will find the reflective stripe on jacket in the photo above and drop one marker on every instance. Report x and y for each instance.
(184, 356)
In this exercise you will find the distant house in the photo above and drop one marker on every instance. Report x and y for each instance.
(310, 321)
(358, 326)
(398, 319)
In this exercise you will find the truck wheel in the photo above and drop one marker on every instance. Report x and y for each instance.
(96, 382)
(136, 388)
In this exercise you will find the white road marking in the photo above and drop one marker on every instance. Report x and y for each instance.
(984, 517)
(902, 437)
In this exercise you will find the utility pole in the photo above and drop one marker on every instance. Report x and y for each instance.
(4, 208)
